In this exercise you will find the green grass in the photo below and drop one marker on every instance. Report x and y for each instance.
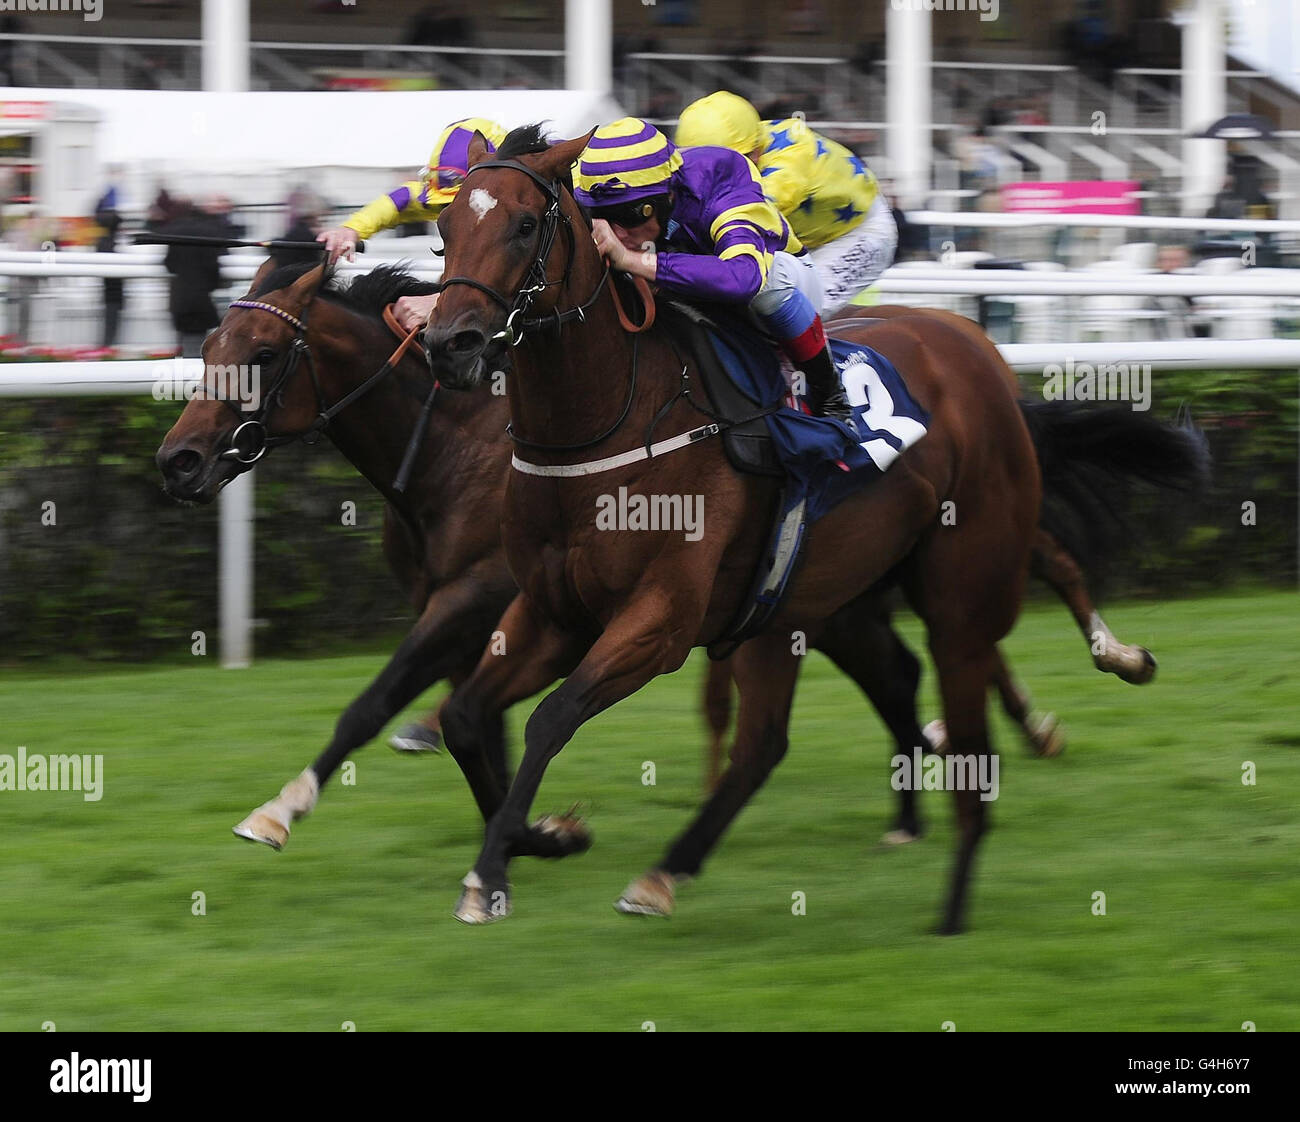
(352, 922)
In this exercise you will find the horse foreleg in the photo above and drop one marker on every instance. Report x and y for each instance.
(637, 645)
(524, 656)
(717, 712)
(434, 647)
(1052, 562)
(766, 671)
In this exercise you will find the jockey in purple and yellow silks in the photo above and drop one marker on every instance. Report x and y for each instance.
(828, 195)
(415, 201)
(696, 223)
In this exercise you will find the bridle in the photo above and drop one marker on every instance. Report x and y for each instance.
(250, 441)
(535, 280)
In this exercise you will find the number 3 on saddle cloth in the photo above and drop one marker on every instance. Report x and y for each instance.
(823, 461)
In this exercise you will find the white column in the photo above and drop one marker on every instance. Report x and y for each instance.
(225, 68)
(588, 45)
(1204, 101)
(907, 100)
(236, 547)
(225, 44)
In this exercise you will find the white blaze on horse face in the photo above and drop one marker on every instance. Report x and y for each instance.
(481, 202)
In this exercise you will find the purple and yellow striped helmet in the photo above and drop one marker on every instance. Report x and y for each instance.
(450, 159)
(623, 162)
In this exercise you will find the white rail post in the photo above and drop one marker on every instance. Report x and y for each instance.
(1204, 99)
(225, 68)
(588, 45)
(907, 100)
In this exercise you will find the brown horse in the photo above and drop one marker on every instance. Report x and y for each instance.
(611, 611)
(441, 534)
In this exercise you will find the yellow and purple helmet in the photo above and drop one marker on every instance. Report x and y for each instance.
(723, 120)
(450, 159)
(625, 162)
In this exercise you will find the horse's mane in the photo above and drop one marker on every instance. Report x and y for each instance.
(523, 141)
(368, 294)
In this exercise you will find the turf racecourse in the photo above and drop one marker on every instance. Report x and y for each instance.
(352, 922)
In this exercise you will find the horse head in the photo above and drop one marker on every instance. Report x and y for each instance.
(503, 266)
(248, 398)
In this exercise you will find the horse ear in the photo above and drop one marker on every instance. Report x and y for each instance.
(303, 290)
(478, 148)
(264, 270)
(557, 161)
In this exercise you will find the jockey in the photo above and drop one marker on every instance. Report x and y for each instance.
(719, 239)
(827, 194)
(419, 200)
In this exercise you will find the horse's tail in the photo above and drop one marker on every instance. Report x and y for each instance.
(1095, 459)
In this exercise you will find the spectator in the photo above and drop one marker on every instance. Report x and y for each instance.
(305, 212)
(196, 274)
(109, 220)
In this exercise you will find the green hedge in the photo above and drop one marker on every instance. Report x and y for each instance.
(126, 573)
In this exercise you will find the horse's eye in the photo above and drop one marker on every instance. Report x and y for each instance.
(264, 357)
(526, 227)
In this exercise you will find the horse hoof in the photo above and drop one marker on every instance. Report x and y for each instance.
(416, 738)
(1146, 671)
(1138, 675)
(1047, 738)
(899, 837)
(259, 827)
(479, 905)
(936, 734)
(648, 895)
(558, 835)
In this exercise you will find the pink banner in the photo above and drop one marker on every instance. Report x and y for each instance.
(1084, 196)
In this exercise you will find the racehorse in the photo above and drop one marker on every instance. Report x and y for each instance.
(608, 612)
(459, 585)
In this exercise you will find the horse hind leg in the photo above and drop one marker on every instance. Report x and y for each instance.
(1042, 731)
(717, 714)
(1053, 563)
(864, 646)
(971, 767)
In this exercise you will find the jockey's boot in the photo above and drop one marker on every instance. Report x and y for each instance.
(825, 390)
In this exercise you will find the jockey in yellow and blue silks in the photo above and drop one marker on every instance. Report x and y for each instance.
(715, 237)
(829, 196)
(418, 200)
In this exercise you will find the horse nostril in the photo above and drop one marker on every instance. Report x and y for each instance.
(184, 464)
(467, 342)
